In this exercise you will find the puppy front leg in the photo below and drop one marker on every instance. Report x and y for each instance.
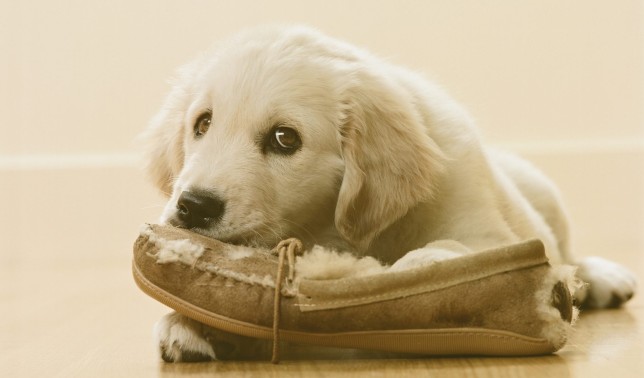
(429, 254)
(182, 339)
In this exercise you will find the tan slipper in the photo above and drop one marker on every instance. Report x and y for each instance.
(507, 301)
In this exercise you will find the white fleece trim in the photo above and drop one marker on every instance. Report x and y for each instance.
(183, 250)
(253, 279)
(186, 252)
(558, 330)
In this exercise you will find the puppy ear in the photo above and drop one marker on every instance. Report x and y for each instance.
(163, 141)
(163, 148)
(391, 164)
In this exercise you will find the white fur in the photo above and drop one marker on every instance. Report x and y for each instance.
(321, 263)
(429, 254)
(177, 334)
(607, 281)
(388, 164)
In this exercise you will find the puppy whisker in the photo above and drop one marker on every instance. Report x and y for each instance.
(302, 228)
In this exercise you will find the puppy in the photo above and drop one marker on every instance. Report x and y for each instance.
(285, 132)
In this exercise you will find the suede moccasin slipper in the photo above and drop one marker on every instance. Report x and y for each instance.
(507, 301)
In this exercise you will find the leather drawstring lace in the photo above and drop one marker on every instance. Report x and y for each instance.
(286, 248)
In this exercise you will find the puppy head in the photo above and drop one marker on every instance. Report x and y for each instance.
(251, 131)
(285, 132)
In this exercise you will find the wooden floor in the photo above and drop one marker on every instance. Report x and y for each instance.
(89, 320)
(69, 307)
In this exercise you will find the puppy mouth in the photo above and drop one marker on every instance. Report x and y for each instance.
(247, 238)
(176, 222)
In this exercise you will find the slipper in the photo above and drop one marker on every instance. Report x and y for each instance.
(508, 301)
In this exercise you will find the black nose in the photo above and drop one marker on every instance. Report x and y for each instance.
(198, 209)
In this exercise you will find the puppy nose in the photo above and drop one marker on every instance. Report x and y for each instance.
(195, 209)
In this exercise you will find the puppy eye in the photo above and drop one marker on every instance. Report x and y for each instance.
(202, 124)
(285, 140)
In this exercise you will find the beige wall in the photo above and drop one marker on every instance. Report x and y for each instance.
(560, 81)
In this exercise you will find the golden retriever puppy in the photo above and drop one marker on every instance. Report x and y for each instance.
(285, 132)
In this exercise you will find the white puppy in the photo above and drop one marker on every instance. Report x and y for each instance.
(285, 132)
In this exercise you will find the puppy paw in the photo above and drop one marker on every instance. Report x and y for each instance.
(182, 339)
(609, 284)
(431, 253)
